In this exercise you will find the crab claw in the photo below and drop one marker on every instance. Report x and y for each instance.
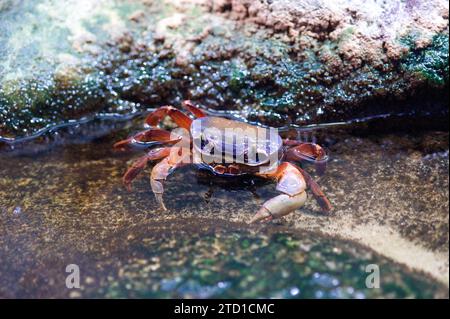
(160, 172)
(309, 152)
(279, 206)
(159, 199)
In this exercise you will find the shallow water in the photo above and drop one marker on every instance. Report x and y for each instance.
(65, 204)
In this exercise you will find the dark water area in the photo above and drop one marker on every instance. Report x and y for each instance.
(62, 202)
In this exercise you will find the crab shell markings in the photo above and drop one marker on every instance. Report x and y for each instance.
(228, 147)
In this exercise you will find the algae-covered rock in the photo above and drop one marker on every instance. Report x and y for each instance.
(277, 62)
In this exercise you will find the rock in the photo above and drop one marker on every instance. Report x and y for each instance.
(277, 62)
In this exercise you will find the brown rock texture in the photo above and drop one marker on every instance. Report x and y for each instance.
(365, 31)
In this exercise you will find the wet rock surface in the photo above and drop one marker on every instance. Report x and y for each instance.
(279, 62)
(66, 205)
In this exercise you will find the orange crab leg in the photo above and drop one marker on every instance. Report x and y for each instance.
(181, 119)
(151, 135)
(140, 164)
(318, 194)
(191, 107)
(292, 184)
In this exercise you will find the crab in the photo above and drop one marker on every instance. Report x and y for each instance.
(238, 152)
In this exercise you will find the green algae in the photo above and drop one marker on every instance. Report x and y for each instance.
(42, 81)
(247, 265)
(29, 40)
(431, 63)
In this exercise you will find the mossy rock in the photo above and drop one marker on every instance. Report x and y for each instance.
(71, 60)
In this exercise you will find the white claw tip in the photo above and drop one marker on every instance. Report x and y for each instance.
(160, 201)
(262, 214)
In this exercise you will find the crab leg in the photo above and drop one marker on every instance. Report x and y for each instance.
(318, 194)
(181, 119)
(140, 164)
(191, 107)
(161, 171)
(307, 152)
(292, 184)
(151, 135)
